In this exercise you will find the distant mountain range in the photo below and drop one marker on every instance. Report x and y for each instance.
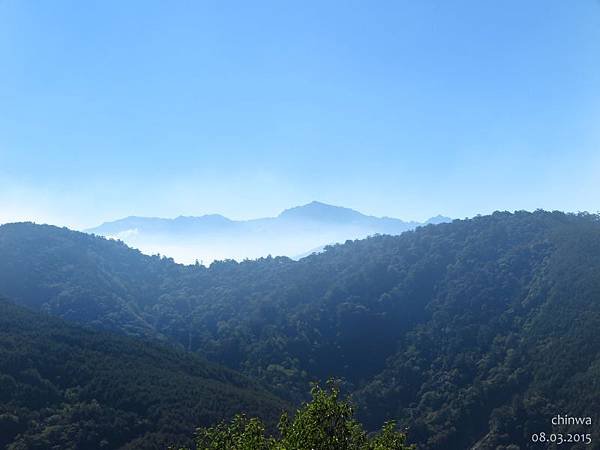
(296, 232)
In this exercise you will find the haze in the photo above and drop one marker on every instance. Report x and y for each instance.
(401, 109)
(296, 232)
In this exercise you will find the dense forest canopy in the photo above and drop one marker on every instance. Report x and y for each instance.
(65, 387)
(472, 333)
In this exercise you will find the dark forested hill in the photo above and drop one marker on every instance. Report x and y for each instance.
(62, 386)
(472, 333)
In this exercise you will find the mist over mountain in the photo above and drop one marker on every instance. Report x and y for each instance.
(296, 232)
(472, 334)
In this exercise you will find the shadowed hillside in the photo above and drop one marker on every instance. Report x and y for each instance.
(62, 386)
(472, 333)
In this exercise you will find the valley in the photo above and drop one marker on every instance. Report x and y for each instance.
(471, 334)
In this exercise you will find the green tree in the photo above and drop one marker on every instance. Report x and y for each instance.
(241, 434)
(325, 423)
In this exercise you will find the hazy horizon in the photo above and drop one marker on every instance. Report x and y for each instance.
(89, 224)
(399, 109)
(296, 232)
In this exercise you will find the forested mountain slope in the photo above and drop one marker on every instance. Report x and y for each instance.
(512, 339)
(473, 333)
(62, 386)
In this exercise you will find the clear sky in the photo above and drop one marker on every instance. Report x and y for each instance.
(398, 108)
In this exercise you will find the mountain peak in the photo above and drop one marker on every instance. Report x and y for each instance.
(321, 212)
(206, 218)
(438, 219)
(293, 232)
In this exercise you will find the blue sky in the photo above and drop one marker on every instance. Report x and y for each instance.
(399, 108)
